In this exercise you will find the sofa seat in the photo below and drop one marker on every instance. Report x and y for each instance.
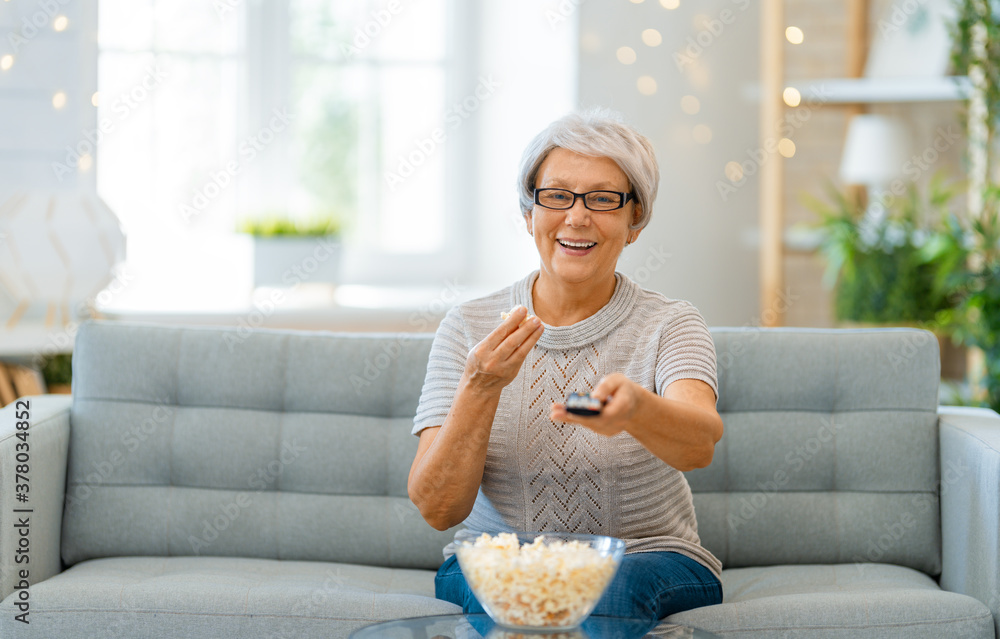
(839, 601)
(227, 597)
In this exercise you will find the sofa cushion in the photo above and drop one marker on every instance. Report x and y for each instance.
(222, 597)
(839, 601)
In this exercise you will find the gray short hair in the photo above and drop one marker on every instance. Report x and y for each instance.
(599, 133)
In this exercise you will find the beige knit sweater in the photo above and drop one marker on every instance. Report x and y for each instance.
(541, 476)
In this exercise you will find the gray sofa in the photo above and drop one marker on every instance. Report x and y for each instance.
(207, 482)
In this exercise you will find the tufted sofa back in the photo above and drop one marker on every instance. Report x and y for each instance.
(830, 452)
(292, 445)
(283, 445)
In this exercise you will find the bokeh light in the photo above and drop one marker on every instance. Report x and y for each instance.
(626, 55)
(791, 96)
(646, 85)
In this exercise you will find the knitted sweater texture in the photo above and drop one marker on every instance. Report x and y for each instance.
(541, 476)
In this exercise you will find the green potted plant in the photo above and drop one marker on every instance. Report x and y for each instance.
(879, 266)
(975, 318)
(288, 250)
(976, 52)
(57, 371)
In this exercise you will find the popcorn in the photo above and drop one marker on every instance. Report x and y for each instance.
(504, 316)
(554, 584)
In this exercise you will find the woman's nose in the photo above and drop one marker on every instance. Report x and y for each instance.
(578, 214)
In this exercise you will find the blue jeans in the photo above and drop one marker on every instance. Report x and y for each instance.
(648, 586)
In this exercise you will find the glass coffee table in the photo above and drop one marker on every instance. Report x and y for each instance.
(482, 627)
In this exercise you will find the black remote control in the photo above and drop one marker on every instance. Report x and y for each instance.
(583, 404)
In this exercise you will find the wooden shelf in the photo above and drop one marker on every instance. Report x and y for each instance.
(853, 92)
(883, 90)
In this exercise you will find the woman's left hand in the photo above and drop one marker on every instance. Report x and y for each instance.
(622, 397)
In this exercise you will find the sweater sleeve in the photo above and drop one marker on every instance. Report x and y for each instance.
(444, 370)
(686, 349)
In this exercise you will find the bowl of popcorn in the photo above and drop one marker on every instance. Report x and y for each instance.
(538, 581)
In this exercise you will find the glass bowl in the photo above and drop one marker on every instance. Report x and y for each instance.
(538, 581)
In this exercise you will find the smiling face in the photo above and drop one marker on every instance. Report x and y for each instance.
(579, 246)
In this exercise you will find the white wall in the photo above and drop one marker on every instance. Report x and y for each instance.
(531, 47)
(713, 259)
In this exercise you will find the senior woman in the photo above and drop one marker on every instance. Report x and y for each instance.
(499, 452)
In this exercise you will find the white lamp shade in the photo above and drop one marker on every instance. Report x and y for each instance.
(876, 149)
(59, 248)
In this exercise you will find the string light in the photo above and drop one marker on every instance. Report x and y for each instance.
(670, 5)
(626, 55)
(734, 171)
(786, 147)
(791, 96)
(96, 98)
(59, 100)
(60, 23)
(85, 162)
(646, 85)
(794, 35)
(702, 134)
(690, 104)
(652, 37)
(6, 62)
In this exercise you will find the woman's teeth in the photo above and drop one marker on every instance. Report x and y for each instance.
(577, 245)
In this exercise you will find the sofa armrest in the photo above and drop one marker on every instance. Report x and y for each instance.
(970, 504)
(48, 444)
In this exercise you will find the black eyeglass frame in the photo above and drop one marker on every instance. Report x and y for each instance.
(625, 198)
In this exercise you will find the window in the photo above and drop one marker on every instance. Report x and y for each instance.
(210, 111)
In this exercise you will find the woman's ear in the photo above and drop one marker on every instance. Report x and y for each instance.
(527, 223)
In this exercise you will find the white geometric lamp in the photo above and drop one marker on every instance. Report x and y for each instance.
(57, 249)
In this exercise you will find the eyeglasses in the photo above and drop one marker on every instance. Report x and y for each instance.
(561, 199)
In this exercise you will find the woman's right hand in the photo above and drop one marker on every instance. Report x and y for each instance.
(494, 362)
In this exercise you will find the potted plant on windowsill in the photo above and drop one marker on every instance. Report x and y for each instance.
(289, 251)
